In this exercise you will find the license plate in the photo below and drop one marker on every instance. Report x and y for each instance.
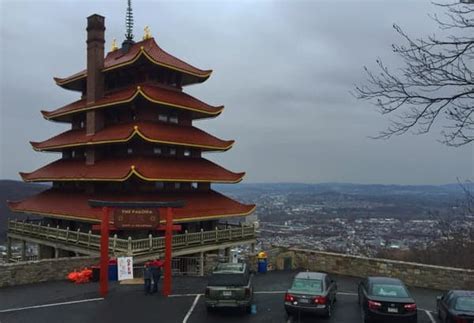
(304, 300)
(392, 310)
(227, 293)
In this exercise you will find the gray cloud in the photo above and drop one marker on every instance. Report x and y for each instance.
(283, 69)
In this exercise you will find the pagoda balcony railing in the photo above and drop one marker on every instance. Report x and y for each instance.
(88, 240)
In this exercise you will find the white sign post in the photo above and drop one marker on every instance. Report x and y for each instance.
(125, 268)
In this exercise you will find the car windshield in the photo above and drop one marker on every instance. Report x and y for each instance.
(218, 279)
(307, 285)
(388, 290)
(464, 303)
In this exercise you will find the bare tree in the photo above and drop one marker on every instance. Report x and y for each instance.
(435, 84)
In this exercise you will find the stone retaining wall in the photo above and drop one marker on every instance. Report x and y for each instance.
(28, 272)
(413, 274)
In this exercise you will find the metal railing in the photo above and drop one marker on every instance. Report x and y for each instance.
(133, 247)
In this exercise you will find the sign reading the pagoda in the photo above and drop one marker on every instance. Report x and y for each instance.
(136, 218)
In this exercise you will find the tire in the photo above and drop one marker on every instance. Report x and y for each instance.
(248, 309)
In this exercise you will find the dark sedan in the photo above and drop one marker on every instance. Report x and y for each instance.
(311, 292)
(384, 299)
(456, 306)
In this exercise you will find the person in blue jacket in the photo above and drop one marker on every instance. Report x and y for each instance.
(147, 276)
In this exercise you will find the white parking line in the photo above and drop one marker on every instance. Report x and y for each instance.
(430, 316)
(185, 295)
(50, 305)
(192, 308)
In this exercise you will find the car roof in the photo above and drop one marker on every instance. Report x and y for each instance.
(385, 280)
(463, 292)
(229, 267)
(310, 275)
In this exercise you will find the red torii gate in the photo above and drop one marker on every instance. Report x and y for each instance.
(104, 236)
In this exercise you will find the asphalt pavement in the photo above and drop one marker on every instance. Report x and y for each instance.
(67, 302)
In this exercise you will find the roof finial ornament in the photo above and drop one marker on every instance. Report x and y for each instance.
(114, 46)
(147, 34)
(129, 21)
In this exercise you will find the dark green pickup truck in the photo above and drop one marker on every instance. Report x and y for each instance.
(230, 285)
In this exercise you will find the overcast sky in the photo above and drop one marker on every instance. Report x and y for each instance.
(283, 70)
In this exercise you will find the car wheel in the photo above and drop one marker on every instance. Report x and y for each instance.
(248, 309)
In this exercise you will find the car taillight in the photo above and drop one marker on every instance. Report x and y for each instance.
(410, 307)
(374, 305)
(208, 291)
(459, 320)
(289, 297)
(320, 300)
(247, 292)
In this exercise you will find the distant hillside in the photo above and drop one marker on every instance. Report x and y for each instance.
(14, 190)
(348, 188)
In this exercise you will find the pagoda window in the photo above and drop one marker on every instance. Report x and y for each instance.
(172, 151)
(129, 151)
(73, 154)
(162, 117)
(194, 186)
(159, 185)
(81, 125)
(177, 186)
(174, 119)
(157, 151)
(187, 153)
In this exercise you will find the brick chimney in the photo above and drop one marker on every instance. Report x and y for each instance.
(95, 78)
(95, 64)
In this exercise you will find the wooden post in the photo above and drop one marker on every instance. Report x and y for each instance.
(23, 250)
(186, 237)
(67, 233)
(89, 238)
(217, 235)
(201, 264)
(104, 252)
(150, 241)
(129, 247)
(202, 236)
(114, 243)
(9, 249)
(168, 252)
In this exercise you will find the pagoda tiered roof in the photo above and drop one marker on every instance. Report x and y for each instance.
(147, 168)
(199, 205)
(147, 49)
(161, 133)
(155, 94)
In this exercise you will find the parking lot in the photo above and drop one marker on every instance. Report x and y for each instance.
(66, 302)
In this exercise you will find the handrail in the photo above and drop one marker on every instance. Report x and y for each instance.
(151, 244)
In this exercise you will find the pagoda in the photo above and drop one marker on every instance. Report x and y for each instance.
(132, 138)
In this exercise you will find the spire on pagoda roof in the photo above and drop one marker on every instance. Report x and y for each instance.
(128, 42)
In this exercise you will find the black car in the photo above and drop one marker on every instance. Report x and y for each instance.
(311, 292)
(456, 306)
(384, 299)
(229, 286)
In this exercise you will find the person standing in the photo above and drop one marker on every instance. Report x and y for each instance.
(156, 266)
(147, 276)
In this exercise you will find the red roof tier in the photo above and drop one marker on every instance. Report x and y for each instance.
(198, 205)
(148, 49)
(161, 133)
(155, 94)
(146, 168)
